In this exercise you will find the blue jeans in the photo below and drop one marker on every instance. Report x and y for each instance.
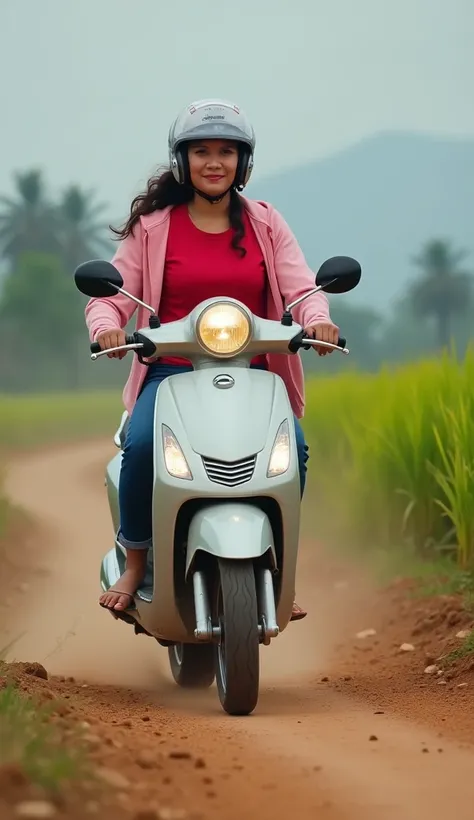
(136, 475)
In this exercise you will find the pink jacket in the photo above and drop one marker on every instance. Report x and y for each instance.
(140, 258)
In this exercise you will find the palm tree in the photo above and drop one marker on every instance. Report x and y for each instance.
(82, 235)
(443, 289)
(28, 222)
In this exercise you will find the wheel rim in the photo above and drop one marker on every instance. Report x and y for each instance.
(178, 653)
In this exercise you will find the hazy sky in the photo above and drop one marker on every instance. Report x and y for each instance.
(88, 87)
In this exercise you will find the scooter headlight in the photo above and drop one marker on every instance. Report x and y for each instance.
(175, 461)
(223, 329)
(280, 455)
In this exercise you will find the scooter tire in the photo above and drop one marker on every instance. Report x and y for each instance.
(238, 650)
(192, 665)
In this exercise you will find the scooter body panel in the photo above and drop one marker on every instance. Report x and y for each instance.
(216, 428)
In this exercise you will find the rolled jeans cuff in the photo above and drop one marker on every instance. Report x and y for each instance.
(134, 545)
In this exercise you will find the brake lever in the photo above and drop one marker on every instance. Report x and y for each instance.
(135, 346)
(317, 343)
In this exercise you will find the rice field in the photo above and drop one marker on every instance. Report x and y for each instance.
(392, 454)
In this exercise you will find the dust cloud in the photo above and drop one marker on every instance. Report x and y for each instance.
(66, 630)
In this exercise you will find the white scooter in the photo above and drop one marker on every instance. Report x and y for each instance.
(226, 495)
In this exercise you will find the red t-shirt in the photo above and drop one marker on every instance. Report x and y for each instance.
(202, 265)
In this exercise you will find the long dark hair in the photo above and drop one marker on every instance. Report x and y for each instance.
(163, 190)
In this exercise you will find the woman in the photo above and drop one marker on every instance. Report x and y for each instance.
(191, 236)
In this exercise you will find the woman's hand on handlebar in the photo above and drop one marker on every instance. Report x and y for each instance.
(112, 338)
(325, 331)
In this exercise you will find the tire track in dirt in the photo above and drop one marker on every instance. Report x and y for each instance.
(304, 752)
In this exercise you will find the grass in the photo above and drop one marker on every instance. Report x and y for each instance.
(38, 420)
(393, 455)
(392, 469)
(433, 576)
(33, 421)
(31, 741)
(29, 738)
(465, 650)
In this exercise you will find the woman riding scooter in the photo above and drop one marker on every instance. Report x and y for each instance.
(212, 241)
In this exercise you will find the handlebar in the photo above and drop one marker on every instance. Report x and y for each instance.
(307, 343)
(144, 347)
(96, 348)
(301, 341)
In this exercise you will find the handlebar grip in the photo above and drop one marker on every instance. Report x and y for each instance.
(96, 348)
(300, 342)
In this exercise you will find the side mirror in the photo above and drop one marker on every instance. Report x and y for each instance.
(339, 274)
(97, 278)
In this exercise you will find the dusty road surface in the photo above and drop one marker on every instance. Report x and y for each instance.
(308, 752)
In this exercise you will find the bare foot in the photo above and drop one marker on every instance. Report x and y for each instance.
(120, 595)
(297, 614)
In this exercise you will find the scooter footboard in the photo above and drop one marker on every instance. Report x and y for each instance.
(234, 531)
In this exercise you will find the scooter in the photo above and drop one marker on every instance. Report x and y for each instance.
(226, 498)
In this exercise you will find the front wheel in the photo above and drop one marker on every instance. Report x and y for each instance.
(238, 650)
(192, 665)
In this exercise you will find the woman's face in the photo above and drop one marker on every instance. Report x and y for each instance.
(212, 165)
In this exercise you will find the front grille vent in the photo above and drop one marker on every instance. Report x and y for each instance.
(230, 473)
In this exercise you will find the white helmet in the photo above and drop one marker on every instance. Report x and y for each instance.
(211, 119)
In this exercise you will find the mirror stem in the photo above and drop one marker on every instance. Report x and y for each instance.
(134, 298)
(290, 307)
(302, 298)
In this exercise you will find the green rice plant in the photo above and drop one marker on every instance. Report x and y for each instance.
(30, 740)
(455, 477)
(388, 444)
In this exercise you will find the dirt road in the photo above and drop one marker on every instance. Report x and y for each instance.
(305, 753)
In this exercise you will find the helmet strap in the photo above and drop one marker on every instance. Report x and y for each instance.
(212, 199)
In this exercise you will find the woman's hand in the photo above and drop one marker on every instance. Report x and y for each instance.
(112, 338)
(325, 331)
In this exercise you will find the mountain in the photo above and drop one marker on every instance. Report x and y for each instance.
(379, 201)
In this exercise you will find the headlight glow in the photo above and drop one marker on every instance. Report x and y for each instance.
(175, 461)
(223, 329)
(280, 455)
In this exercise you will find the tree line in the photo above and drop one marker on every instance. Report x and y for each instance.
(43, 239)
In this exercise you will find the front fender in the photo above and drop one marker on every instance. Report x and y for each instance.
(235, 531)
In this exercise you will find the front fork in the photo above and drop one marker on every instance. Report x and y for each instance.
(268, 627)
